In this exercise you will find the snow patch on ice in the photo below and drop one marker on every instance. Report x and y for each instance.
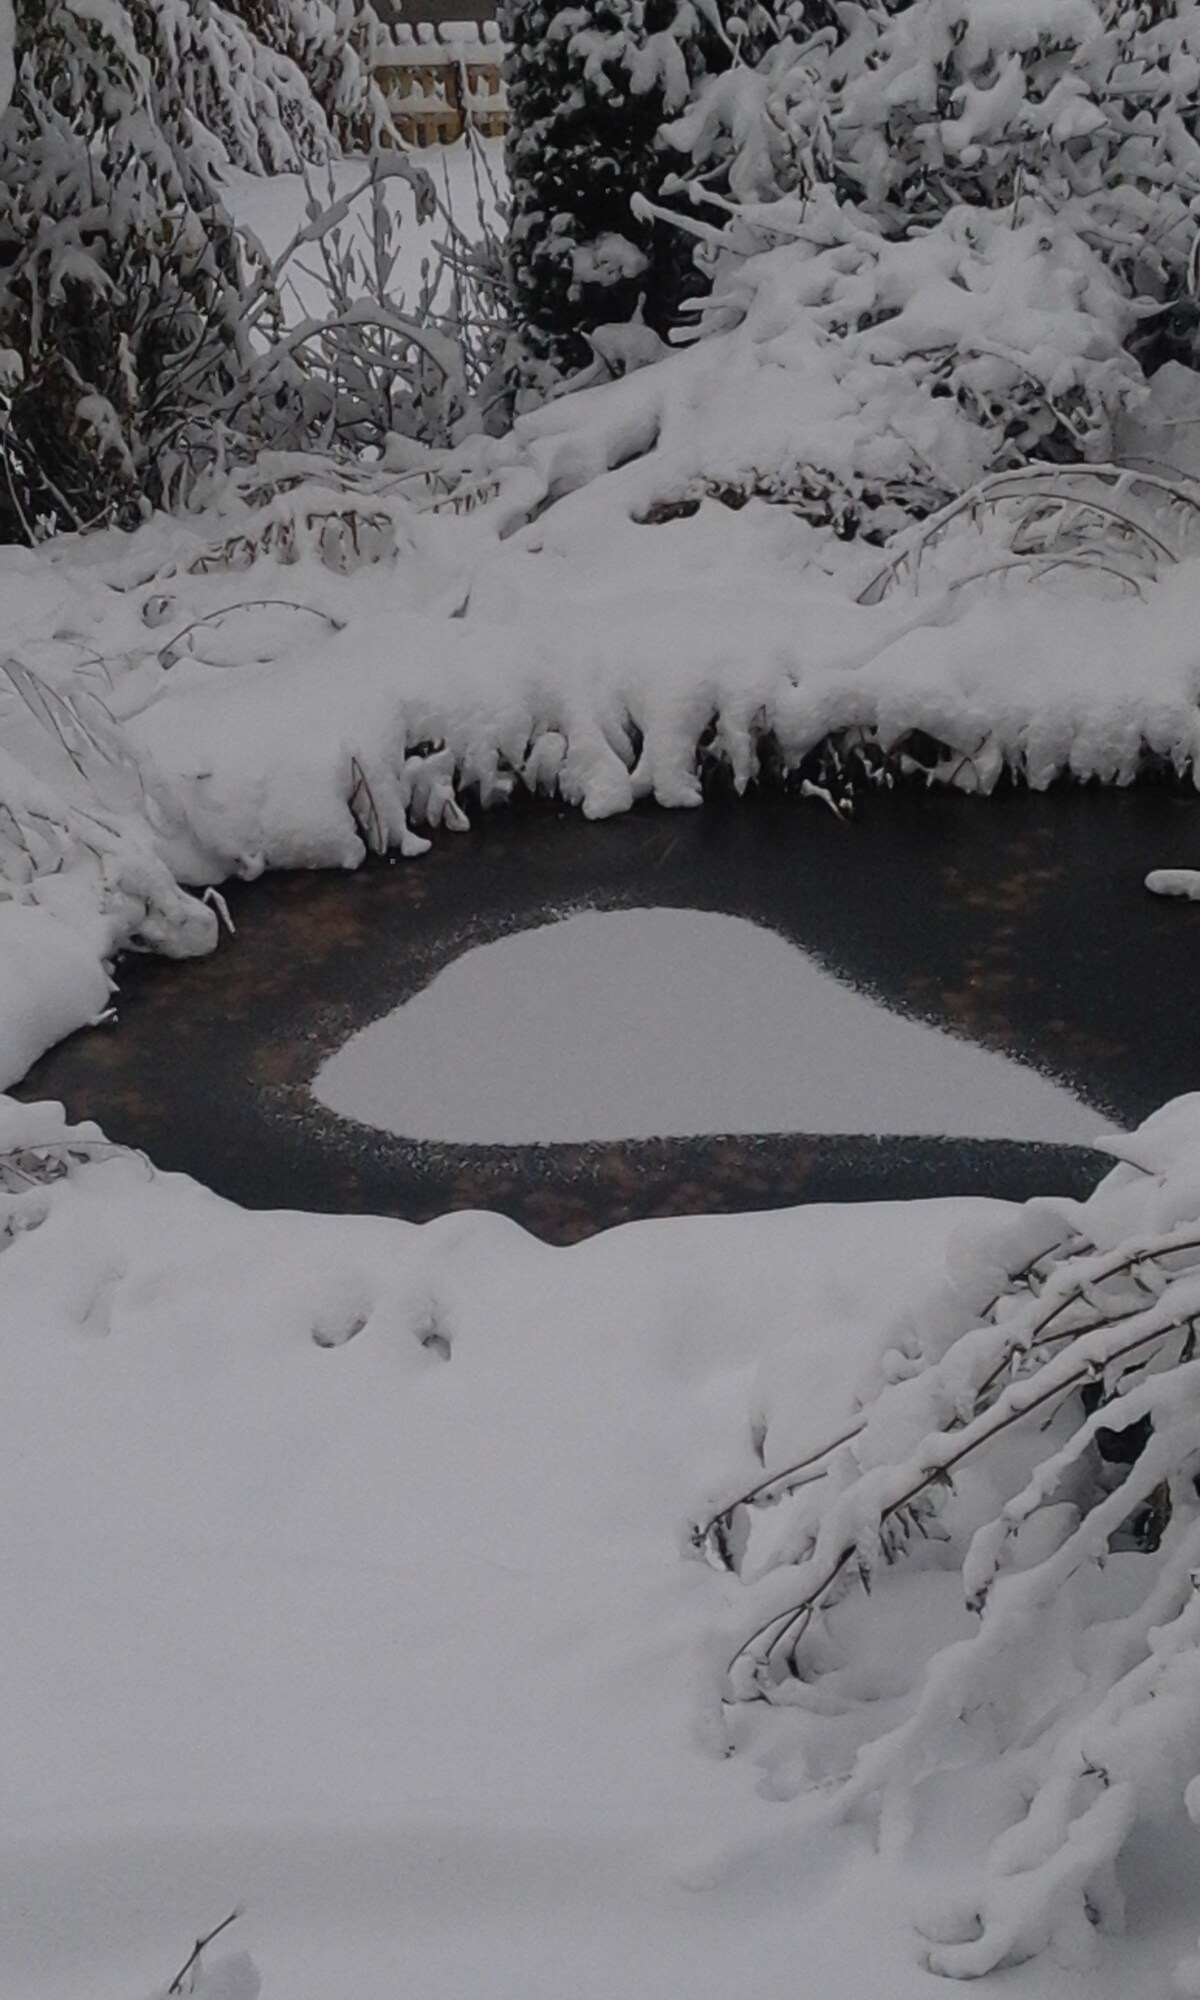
(1174, 882)
(634, 1024)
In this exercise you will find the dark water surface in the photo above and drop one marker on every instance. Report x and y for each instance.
(1021, 921)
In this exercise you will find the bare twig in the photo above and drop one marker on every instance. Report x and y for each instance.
(1083, 487)
(778, 1484)
(200, 1945)
(167, 654)
(793, 1622)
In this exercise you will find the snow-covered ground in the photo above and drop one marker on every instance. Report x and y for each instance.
(345, 1582)
(641, 1024)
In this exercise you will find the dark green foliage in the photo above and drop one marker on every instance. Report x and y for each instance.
(590, 88)
(120, 295)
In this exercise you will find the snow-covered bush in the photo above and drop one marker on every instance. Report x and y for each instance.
(141, 336)
(589, 88)
(122, 290)
(1084, 109)
(1032, 1431)
(999, 200)
(861, 381)
(38, 1148)
(371, 365)
(973, 346)
(756, 132)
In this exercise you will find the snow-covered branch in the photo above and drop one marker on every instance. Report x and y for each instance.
(1033, 1426)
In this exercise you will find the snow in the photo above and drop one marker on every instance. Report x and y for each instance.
(649, 1023)
(345, 1562)
(50, 984)
(295, 1604)
(345, 1580)
(1073, 1691)
(1174, 882)
(1164, 432)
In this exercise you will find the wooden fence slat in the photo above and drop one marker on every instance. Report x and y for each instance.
(438, 84)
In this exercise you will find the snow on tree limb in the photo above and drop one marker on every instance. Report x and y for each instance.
(1021, 1430)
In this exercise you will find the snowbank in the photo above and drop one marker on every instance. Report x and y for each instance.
(348, 1584)
(50, 984)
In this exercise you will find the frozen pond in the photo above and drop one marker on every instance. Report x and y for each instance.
(666, 1023)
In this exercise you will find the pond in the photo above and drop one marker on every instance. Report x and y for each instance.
(1019, 923)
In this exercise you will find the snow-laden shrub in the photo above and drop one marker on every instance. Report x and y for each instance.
(1088, 106)
(371, 365)
(1083, 108)
(142, 340)
(1032, 1431)
(37, 1148)
(77, 812)
(589, 87)
(900, 372)
(756, 132)
(122, 289)
(1038, 521)
(1015, 324)
(964, 191)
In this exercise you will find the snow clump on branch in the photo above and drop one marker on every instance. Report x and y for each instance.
(1088, 112)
